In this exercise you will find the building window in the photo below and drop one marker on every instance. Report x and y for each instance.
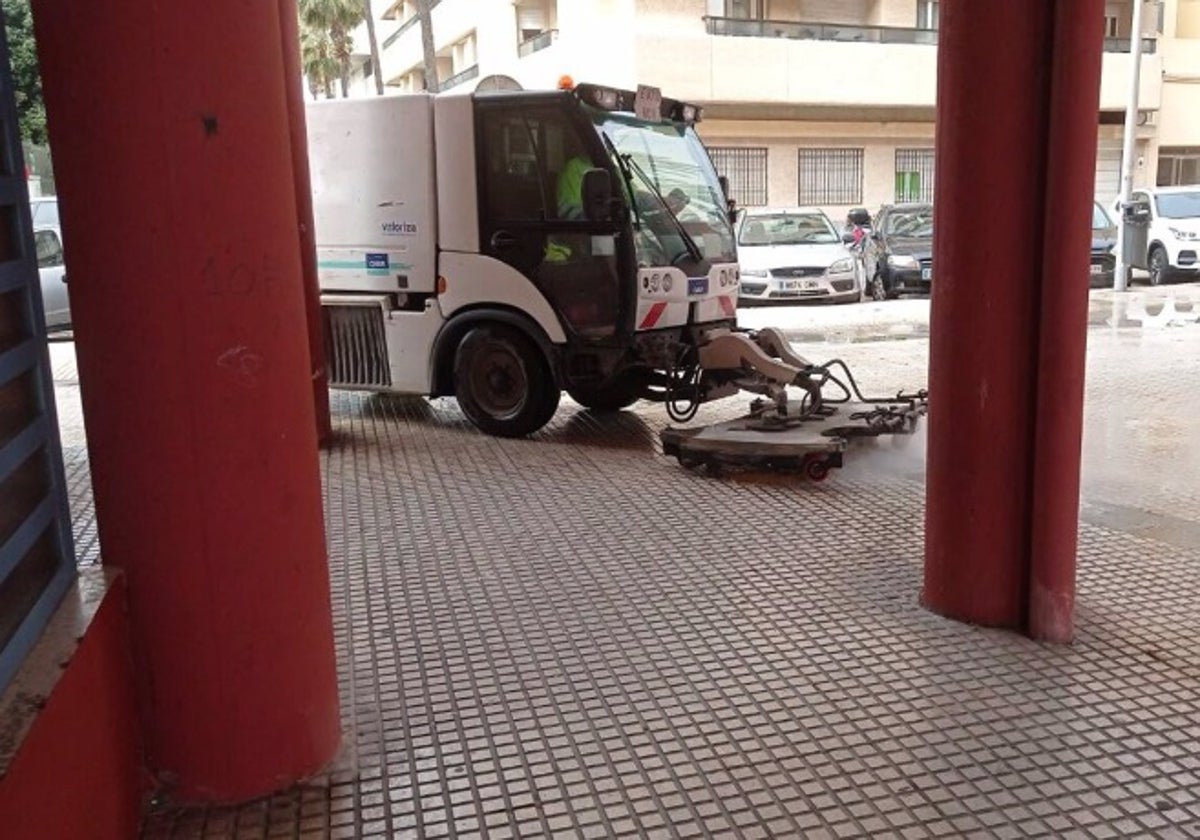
(1112, 26)
(831, 176)
(914, 175)
(535, 18)
(746, 169)
(927, 14)
(462, 54)
(744, 9)
(1179, 166)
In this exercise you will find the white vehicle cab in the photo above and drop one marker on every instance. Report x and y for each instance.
(795, 254)
(1173, 239)
(576, 239)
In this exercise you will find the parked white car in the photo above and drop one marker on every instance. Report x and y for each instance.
(795, 254)
(1173, 240)
(52, 271)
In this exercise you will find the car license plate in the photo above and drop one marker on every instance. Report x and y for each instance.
(926, 273)
(697, 285)
(810, 284)
(790, 285)
(1097, 269)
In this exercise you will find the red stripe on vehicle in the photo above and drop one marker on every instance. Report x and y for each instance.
(652, 316)
(728, 306)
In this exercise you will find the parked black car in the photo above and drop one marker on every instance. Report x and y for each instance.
(1104, 248)
(899, 252)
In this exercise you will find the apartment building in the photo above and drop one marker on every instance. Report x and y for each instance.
(825, 102)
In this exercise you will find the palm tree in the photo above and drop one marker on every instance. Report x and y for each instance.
(338, 19)
(370, 16)
(431, 70)
(317, 57)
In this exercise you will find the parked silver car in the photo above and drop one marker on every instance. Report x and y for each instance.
(795, 254)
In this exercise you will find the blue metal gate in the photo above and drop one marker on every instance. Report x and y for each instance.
(36, 552)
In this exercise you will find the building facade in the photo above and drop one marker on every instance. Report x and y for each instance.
(810, 102)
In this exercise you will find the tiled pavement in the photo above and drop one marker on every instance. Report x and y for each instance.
(572, 637)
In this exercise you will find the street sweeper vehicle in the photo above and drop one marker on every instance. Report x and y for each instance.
(502, 247)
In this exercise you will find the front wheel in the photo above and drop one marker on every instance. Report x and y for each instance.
(503, 382)
(1160, 266)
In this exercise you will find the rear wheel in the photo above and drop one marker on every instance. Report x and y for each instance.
(503, 382)
(1160, 266)
(612, 396)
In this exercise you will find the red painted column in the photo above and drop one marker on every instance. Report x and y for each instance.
(1062, 338)
(170, 128)
(290, 24)
(1006, 316)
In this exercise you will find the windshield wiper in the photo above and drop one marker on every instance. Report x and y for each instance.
(624, 167)
(690, 243)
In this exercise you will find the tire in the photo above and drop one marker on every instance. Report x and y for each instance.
(1160, 266)
(611, 397)
(503, 382)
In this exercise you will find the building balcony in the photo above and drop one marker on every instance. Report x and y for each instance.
(830, 68)
(459, 78)
(817, 31)
(537, 43)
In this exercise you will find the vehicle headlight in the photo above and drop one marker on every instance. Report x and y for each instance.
(654, 280)
(842, 266)
(1185, 235)
(903, 261)
(667, 283)
(755, 272)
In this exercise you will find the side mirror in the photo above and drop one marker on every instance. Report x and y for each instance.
(724, 182)
(847, 238)
(597, 196)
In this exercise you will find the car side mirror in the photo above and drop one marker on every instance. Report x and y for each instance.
(597, 196)
(847, 238)
(724, 182)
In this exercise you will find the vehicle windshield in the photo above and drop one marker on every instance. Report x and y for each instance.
(1184, 205)
(787, 229)
(669, 174)
(1100, 220)
(916, 223)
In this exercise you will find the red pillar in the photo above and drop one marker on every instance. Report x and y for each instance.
(1062, 339)
(1016, 143)
(169, 123)
(289, 21)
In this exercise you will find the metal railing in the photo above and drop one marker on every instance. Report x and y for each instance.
(804, 31)
(458, 78)
(407, 25)
(850, 32)
(1124, 45)
(537, 42)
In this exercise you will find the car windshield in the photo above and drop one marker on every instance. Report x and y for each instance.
(45, 212)
(1184, 205)
(787, 229)
(1100, 220)
(669, 173)
(916, 223)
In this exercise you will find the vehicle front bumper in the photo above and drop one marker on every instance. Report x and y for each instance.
(909, 280)
(825, 288)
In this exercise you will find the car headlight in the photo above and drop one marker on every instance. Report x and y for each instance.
(755, 272)
(903, 261)
(667, 283)
(1185, 235)
(842, 266)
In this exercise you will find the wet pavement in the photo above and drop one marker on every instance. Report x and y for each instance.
(571, 636)
(907, 318)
